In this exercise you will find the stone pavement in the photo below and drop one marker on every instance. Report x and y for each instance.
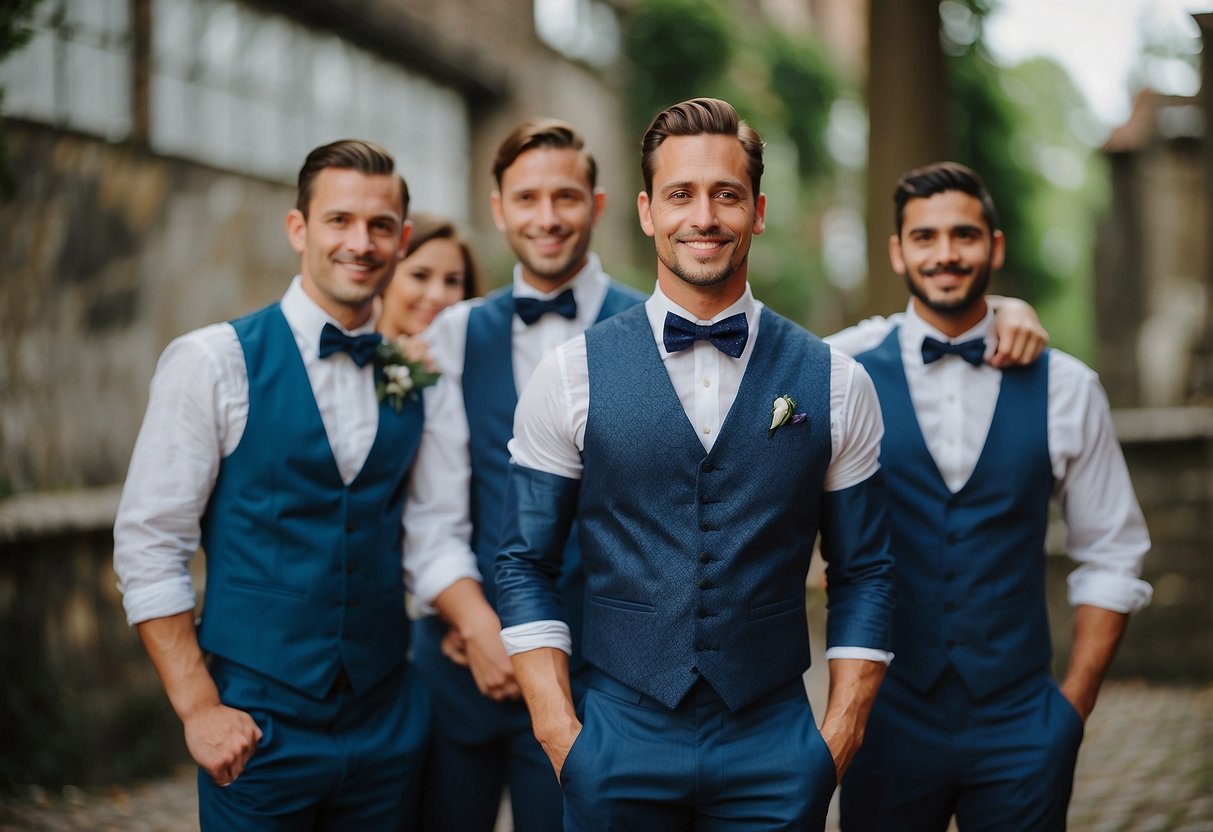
(1146, 766)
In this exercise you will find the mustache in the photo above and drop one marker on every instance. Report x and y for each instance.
(370, 262)
(948, 268)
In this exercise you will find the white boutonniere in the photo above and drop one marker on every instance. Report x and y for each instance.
(783, 412)
(399, 377)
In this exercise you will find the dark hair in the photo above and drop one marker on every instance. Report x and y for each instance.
(428, 227)
(925, 182)
(348, 154)
(541, 132)
(698, 117)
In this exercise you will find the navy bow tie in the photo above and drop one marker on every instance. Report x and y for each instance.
(728, 336)
(973, 351)
(532, 309)
(360, 347)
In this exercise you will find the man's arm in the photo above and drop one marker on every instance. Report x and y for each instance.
(543, 675)
(220, 739)
(1021, 337)
(1097, 633)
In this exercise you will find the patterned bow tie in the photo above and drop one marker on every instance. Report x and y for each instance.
(728, 336)
(532, 309)
(973, 351)
(360, 347)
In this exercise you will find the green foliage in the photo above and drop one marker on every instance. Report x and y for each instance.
(15, 32)
(803, 79)
(677, 49)
(783, 85)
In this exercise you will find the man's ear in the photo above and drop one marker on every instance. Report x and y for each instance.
(599, 197)
(406, 229)
(760, 215)
(296, 229)
(498, 216)
(998, 250)
(642, 208)
(895, 259)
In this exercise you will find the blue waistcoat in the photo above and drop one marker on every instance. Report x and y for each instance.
(489, 397)
(695, 562)
(970, 565)
(304, 572)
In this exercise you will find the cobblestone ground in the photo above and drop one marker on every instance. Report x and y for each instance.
(1146, 766)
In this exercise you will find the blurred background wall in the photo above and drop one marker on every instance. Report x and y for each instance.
(149, 154)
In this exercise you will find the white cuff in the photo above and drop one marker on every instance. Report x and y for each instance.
(159, 600)
(866, 653)
(535, 634)
(1107, 590)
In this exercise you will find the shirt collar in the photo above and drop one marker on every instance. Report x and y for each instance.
(307, 319)
(590, 275)
(916, 329)
(659, 304)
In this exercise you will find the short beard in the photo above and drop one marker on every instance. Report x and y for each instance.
(702, 279)
(955, 307)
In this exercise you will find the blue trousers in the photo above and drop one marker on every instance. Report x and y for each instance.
(639, 765)
(348, 761)
(1004, 763)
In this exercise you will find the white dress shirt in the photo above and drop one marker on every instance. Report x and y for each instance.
(437, 549)
(196, 414)
(549, 424)
(954, 403)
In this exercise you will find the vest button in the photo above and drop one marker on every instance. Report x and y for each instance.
(703, 499)
(706, 468)
(349, 569)
(694, 670)
(949, 575)
(704, 614)
(704, 583)
(705, 526)
(952, 537)
(950, 606)
(351, 603)
(704, 557)
(700, 647)
(349, 527)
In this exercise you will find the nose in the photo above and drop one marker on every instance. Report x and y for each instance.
(547, 213)
(359, 237)
(703, 214)
(435, 289)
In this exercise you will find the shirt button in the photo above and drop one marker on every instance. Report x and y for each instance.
(707, 382)
(707, 429)
(704, 583)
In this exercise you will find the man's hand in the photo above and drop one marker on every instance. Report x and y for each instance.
(475, 641)
(543, 674)
(221, 740)
(416, 351)
(853, 686)
(1021, 338)
(1097, 633)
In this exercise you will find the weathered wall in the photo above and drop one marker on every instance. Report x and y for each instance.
(108, 254)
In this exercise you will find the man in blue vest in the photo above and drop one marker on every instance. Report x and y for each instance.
(266, 442)
(547, 202)
(969, 722)
(701, 442)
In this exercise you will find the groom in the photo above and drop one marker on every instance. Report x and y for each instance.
(699, 502)
(264, 441)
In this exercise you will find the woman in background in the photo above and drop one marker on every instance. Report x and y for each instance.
(438, 270)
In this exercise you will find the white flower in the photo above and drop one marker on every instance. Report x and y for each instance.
(399, 379)
(781, 411)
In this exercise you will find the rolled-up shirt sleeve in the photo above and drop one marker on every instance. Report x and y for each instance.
(199, 385)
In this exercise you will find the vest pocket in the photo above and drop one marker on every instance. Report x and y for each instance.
(261, 586)
(621, 604)
(777, 607)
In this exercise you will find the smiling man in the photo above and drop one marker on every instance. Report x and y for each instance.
(698, 514)
(265, 443)
(546, 203)
(969, 722)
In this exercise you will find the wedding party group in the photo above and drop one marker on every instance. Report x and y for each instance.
(602, 507)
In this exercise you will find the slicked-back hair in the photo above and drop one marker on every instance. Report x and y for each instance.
(428, 227)
(365, 157)
(936, 178)
(698, 117)
(542, 132)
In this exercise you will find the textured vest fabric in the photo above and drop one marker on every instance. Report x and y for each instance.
(304, 574)
(970, 565)
(695, 562)
(490, 397)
